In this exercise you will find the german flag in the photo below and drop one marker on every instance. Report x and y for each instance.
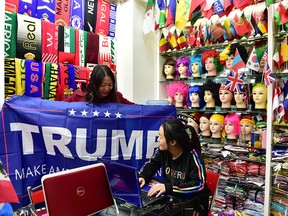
(182, 41)
(162, 43)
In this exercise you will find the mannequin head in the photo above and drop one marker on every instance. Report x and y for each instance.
(216, 125)
(168, 70)
(226, 97)
(183, 117)
(194, 120)
(178, 92)
(210, 60)
(205, 124)
(232, 125)
(182, 67)
(247, 125)
(210, 94)
(241, 97)
(196, 66)
(194, 100)
(259, 93)
(228, 54)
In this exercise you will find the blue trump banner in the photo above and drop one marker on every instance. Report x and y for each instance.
(39, 136)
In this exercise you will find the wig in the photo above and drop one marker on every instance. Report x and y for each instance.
(196, 58)
(195, 89)
(218, 117)
(213, 88)
(186, 62)
(235, 120)
(215, 55)
(206, 115)
(178, 87)
(247, 119)
(169, 61)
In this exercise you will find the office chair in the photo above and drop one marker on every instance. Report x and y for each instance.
(212, 179)
(37, 201)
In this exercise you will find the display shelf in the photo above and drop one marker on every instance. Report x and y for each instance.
(192, 50)
(249, 185)
(234, 157)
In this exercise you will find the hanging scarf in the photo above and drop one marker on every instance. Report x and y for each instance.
(67, 80)
(20, 76)
(34, 73)
(90, 14)
(82, 77)
(92, 50)
(46, 10)
(49, 42)
(29, 38)
(51, 81)
(77, 14)
(62, 12)
(104, 50)
(102, 21)
(66, 44)
(28, 8)
(10, 33)
(9, 77)
(112, 20)
(11, 6)
(80, 49)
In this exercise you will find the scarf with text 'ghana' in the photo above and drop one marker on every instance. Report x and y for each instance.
(51, 81)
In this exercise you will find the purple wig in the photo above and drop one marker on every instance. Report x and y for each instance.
(186, 62)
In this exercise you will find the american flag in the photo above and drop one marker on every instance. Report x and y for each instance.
(234, 81)
(265, 55)
(268, 76)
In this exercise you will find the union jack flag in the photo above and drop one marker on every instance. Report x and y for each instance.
(268, 76)
(234, 81)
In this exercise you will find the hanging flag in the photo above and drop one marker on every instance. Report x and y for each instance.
(276, 95)
(284, 51)
(171, 11)
(264, 58)
(268, 76)
(262, 22)
(241, 4)
(219, 6)
(254, 25)
(280, 112)
(8, 193)
(149, 22)
(173, 40)
(194, 5)
(253, 62)
(269, 2)
(162, 43)
(191, 37)
(182, 41)
(276, 56)
(237, 63)
(226, 26)
(218, 31)
(162, 16)
(281, 14)
(242, 26)
(234, 82)
(182, 13)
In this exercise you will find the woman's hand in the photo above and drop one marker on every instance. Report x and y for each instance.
(141, 182)
(157, 190)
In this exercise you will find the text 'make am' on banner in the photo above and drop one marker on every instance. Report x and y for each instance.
(39, 137)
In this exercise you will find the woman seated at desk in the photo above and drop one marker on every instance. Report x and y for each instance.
(183, 168)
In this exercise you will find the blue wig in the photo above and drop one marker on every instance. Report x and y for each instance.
(195, 89)
(196, 58)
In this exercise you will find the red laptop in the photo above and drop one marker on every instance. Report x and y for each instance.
(77, 192)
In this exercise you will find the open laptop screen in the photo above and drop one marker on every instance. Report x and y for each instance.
(124, 182)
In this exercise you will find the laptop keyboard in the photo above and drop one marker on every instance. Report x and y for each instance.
(146, 198)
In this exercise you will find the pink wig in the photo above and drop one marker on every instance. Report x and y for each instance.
(235, 120)
(178, 87)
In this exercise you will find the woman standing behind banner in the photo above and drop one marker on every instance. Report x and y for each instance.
(101, 88)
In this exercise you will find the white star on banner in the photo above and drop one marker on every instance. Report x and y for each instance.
(96, 113)
(78, 85)
(107, 114)
(84, 112)
(118, 115)
(72, 112)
